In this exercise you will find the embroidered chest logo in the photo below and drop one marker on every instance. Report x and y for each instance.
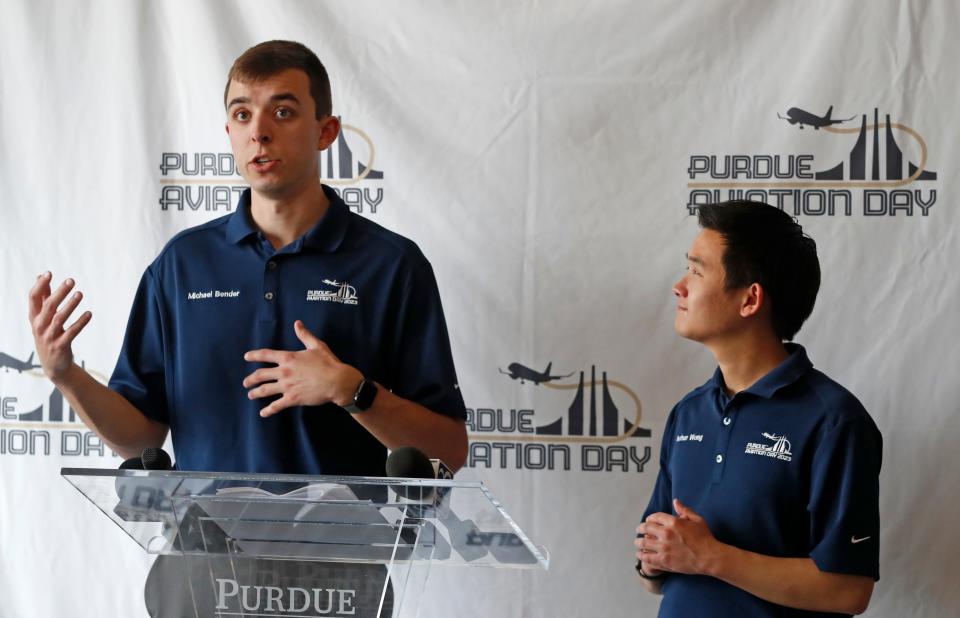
(339, 292)
(780, 449)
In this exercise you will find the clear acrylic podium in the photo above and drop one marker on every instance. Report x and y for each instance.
(232, 545)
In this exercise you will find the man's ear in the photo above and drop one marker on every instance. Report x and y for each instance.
(329, 130)
(754, 299)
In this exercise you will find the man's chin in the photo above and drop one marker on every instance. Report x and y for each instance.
(683, 331)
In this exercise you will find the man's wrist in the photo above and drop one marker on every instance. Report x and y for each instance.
(67, 377)
(363, 397)
(717, 562)
(348, 387)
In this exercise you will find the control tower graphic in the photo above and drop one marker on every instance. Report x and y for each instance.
(339, 163)
(582, 420)
(857, 162)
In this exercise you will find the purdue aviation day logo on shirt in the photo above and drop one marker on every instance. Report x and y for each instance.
(878, 168)
(342, 292)
(209, 181)
(597, 431)
(780, 449)
(34, 419)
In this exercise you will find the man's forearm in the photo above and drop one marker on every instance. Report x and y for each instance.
(123, 427)
(397, 422)
(793, 582)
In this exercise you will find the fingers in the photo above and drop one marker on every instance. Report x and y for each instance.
(71, 333)
(280, 404)
(309, 340)
(50, 304)
(684, 511)
(61, 316)
(265, 356)
(265, 390)
(647, 544)
(660, 519)
(266, 374)
(38, 293)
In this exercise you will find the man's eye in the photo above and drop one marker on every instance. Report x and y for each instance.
(283, 112)
(241, 115)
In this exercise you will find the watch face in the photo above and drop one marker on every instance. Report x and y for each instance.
(365, 395)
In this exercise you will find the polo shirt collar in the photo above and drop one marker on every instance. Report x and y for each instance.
(784, 374)
(241, 224)
(326, 235)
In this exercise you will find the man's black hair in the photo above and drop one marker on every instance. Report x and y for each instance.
(765, 245)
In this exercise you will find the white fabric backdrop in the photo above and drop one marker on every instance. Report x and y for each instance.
(539, 155)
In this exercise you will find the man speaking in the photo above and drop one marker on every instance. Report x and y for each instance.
(291, 336)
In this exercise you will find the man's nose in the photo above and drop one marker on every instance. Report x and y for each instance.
(679, 289)
(260, 133)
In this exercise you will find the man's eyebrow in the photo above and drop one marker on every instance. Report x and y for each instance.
(285, 96)
(695, 259)
(282, 96)
(237, 101)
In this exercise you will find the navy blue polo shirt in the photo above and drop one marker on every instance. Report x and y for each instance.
(788, 468)
(220, 289)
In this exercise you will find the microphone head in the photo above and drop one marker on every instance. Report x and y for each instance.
(155, 459)
(409, 462)
(134, 463)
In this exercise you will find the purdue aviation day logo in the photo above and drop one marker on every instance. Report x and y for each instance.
(780, 449)
(33, 421)
(210, 181)
(588, 433)
(342, 293)
(870, 179)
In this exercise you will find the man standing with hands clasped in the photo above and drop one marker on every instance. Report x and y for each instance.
(767, 499)
(291, 336)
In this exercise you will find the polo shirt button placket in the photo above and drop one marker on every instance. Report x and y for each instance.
(723, 441)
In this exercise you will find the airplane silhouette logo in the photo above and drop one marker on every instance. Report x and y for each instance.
(516, 371)
(8, 362)
(795, 115)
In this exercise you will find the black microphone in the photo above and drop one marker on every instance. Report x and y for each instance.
(410, 462)
(156, 459)
(149, 459)
(140, 499)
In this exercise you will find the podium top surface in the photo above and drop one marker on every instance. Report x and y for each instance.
(300, 517)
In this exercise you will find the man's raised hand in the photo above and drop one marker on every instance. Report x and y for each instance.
(47, 320)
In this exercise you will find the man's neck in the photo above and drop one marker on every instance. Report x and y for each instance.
(748, 358)
(284, 220)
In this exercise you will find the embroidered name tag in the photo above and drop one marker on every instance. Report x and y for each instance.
(208, 294)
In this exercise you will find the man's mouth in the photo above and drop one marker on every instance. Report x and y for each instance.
(263, 164)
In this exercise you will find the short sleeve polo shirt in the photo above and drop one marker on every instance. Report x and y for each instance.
(220, 289)
(787, 468)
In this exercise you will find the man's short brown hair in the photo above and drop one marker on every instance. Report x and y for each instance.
(271, 57)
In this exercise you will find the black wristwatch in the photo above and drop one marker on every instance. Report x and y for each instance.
(363, 398)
